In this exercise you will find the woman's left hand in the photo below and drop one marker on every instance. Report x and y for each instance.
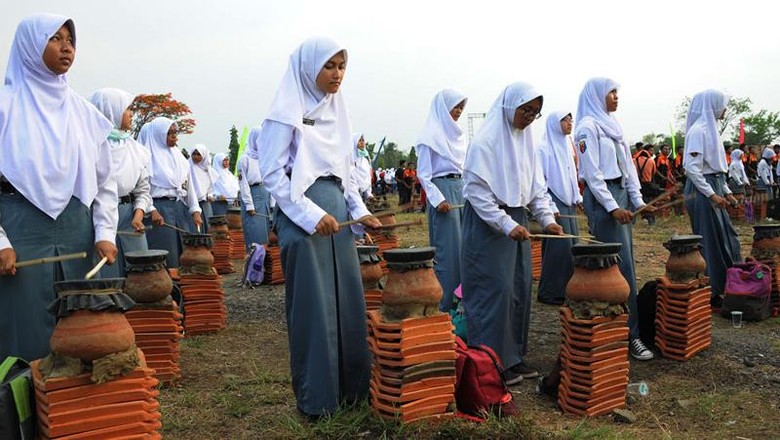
(138, 221)
(370, 221)
(554, 229)
(105, 248)
(197, 219)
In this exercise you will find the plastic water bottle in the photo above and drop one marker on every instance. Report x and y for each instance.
(638, 388)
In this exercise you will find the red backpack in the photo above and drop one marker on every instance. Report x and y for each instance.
(479, 386)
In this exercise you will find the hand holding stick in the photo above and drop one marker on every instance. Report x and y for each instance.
(96, 269)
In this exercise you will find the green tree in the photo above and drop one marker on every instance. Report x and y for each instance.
(390, 155)
(737, 108)
(185, 153)
(412, 156)
(233, 147)
(761, 128)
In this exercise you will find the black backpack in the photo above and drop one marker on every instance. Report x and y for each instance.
(17, 400)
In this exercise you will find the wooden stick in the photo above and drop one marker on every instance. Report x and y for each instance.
(457, 206)
(676, 202)
(56, 259)
(96, 269)
(581, 237)
(130, 233)
(660, 197)
(398, 225)
(167, 225)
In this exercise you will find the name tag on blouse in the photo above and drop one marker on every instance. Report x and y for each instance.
(307, 121)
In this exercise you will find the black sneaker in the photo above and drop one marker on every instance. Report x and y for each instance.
(551, 301)
(511, 378)
(639, 351)
(525, 371)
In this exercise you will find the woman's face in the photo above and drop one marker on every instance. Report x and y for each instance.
(458, 110)
(361, 143)
(60, 51)
(612, 101)
(566, 125)
(173, 136)
(527, 113)
(332, 73)
(127, 120)
(197, 157)
(225, 163)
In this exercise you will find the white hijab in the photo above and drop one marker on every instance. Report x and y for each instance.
(169, 168)
(203, 176)
(226, 184)
(128, 157)
(503, 156)
(49, 135)
(441, 133)
(560, 172)
(324, 147)
(592, 106)
(356, 151)
(703, 112)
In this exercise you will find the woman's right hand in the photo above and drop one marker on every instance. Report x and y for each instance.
(623, 216)
(444, 207)
(8, 261)
(327, 225)
(250, 212)
(519, 233)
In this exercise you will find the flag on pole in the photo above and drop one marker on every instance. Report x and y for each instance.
(674, 141)
(378, 151)
(741, 131)
(241, 146)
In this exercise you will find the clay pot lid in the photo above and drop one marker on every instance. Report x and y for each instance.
(84, 285)
(685, 239)
(409, 255)
(766, 227)
(595, 249)
(218, 220)
(146, 257)
(367, 250)
(234, 209)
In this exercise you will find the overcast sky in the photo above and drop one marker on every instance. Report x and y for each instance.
(225, 59)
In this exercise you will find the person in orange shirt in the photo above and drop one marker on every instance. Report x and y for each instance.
(646, 169)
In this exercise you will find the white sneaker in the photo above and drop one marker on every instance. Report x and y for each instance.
(639, 351)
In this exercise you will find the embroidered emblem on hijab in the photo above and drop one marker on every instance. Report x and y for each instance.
(307, 121)
(583, 147)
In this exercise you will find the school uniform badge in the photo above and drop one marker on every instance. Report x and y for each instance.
(582, 145)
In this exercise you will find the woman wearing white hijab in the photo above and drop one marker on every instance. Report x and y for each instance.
(765, 177)
(556, 155)
(738, 179)
(611, 185)
(256, 203)
(361, 173)
(225, 186)
(441, 150)
(57, 192)
(173, 193)
(203, 177)
(130, 161)
(307, 156)
(706, 188)
(502, 178)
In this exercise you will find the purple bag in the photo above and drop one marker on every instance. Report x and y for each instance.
(748, 290)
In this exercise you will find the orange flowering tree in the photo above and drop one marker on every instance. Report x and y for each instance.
(148, 107)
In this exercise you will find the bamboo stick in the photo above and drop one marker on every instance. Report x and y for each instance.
(96, 269)
(56, 259)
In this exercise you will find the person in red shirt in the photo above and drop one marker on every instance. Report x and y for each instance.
(664, 176)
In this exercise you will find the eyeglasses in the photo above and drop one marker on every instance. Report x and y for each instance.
(536, 114)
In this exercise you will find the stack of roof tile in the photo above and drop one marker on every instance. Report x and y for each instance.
(536, 259)
(222, 255)
(683, 318)
(413, 373)
(76, 408)
(158, 330)
(204, 303)
(273, 265)
(594, 359)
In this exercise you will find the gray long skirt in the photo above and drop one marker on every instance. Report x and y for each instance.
(124, 243)
(175, 213)
(557, 260)
(496, 281)
(720, 245)
(325, 308)
(445, 233)
(608, 230)
(256, 227)
(26, 325)
(205, 214)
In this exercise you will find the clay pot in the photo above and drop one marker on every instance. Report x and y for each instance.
(196, 257)
(370, 270)
(766, 241)
(685, 262)
(597, 274)
(233, 218)
(91, 334)
(412, 288)
(218, 226)
(147, 280)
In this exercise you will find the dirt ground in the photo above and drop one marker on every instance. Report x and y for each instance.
(236, 384)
